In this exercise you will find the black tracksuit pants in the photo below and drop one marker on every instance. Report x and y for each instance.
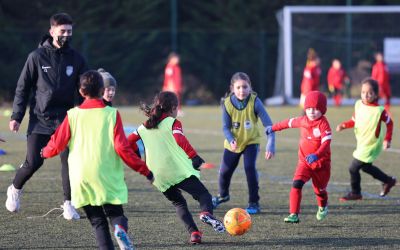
(33, 161)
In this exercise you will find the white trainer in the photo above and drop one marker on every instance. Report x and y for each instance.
(13, 195)
(69, 211)
(122, 237)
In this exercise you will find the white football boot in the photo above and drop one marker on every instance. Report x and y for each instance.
(13, 196)
(69, 211)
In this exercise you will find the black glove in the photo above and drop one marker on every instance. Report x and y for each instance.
(150, 176)
(197, 161)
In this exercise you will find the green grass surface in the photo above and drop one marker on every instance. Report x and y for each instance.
(368, 224)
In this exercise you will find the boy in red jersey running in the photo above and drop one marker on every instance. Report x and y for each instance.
(314, 154)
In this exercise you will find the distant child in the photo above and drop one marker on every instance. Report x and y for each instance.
(366, 121)
(173, 78)
(240, 113)
(311, 75)
(110, 86)
(97, 143)
(380, 73)
(174, 162)
(314, 154)
(336, 81)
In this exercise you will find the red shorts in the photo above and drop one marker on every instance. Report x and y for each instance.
(320, 177)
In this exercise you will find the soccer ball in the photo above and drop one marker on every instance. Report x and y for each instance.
(237, 221)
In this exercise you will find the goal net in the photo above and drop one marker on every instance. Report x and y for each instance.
(351, 34)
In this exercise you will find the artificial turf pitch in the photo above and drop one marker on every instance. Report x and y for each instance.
(368, 224)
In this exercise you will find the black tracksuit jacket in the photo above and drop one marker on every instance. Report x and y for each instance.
(49, 81)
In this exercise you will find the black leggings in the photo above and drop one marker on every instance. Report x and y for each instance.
(199, 192)
(355, 177)
(97, 216)
(33, 161)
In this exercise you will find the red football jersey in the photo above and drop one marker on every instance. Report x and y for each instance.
(172, 78)
(311, 78)
(315, 138)
(380, 73)
(336, 77)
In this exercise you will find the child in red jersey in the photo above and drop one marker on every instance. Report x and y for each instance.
(173, 78)
(336, 80)
(366, 121)
(314, 154)
(380, 73)
(311, 75)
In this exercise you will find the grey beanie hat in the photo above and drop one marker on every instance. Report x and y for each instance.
(108, 79)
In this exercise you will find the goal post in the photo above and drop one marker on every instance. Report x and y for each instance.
(352, 32)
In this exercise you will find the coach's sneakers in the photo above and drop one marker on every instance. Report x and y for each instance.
(195, 237)
(69, 211)
(322, 213)
(351, 197)
(13, 196)
(387, 186)
(123, 240)
(253, 208)
(292, 218)
(216, 200)
(209, 219)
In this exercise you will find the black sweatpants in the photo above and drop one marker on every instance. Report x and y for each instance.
(198, 191)
(97, 216)
(33, 161)
(355, 177)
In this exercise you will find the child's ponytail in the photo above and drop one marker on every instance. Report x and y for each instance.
(164, 102)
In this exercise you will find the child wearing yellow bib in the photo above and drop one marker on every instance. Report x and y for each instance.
(97, 143)
(240, 112)
(174, 162)
(366, 121)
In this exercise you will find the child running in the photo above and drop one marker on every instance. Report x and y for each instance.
(240, 113)
(174, 162)
(97, 143)
(314, 154)
(366, 121)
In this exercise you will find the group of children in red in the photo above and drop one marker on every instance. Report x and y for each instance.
(337, 78)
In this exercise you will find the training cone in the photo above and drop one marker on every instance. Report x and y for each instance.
(7, 167)
(7, 112)
(207, 165)
(2, 152)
